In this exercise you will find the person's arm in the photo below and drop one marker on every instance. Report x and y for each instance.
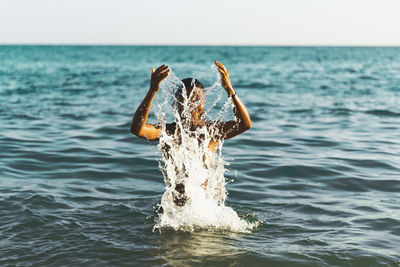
(242, 122)
(139, 126)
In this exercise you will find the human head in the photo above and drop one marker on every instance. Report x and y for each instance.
(195, 95)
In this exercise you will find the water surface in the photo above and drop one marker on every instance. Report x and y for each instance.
(319, 168)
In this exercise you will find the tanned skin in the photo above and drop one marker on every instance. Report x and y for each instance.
(227, 130)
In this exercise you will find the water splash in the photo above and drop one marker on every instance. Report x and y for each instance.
(193, 166)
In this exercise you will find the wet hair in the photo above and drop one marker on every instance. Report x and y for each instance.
(189, 83)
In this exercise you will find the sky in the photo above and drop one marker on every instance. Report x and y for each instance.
(205, 22)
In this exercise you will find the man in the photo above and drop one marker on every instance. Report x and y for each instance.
(190, 100)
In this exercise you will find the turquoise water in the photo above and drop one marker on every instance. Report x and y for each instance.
(319, 169)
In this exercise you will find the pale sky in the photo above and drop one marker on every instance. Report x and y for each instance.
(206, 22)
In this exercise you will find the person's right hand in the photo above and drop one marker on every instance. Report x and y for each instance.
(157, 76)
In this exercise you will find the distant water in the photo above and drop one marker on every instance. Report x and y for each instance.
(320, 168)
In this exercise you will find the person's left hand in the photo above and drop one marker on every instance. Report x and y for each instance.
(225, 80)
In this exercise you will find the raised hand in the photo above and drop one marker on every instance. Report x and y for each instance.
(242, 121)
(157, 76)
(139, 126)
(225, 80)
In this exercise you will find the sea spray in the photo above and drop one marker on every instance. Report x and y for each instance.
(193, 166)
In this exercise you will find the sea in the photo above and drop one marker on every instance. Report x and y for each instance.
(314, 182)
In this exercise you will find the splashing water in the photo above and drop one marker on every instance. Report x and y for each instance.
(193, 167)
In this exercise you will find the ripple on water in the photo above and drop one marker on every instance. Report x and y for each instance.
(354, 184)
(294, 171)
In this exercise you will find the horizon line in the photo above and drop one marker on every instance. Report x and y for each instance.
(199, 45)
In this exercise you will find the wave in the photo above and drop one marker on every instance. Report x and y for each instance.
(254, 85)
(354, 184)
(295, 171)
(383, 113)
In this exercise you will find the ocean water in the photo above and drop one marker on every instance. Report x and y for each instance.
(318, 172)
